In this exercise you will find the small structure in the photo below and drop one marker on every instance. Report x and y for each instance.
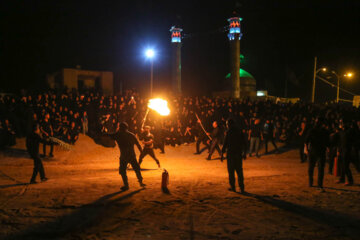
(82, 80)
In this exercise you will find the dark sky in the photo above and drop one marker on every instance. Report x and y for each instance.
(280, 40)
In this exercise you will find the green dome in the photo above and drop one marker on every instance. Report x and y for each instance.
(243, 74)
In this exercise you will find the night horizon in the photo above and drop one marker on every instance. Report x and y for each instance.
(280, 41)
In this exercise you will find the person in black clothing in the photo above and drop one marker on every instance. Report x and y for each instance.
(215, 136)
(269, 135)
(148, 140)
(9, 134)
(235, 148)
(47, 131)
(332, 149)
(32, 145)
(345, 142)
(302, 133)
(201, 137)
(255, 135)
(159, 138)
(316, 143)
(126, 141)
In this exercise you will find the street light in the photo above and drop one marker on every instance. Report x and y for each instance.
(338, 83)
(150, 54)
(316, 71)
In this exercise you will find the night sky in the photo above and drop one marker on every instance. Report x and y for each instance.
(280, 40)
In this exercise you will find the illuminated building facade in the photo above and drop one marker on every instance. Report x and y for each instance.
(176, 59)
(82, 80)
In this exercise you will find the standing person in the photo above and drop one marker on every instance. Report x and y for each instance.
(235, 148)
(159, 138)
(126, 141)
(344, 153)
(148, 140)
(316, 143)
(47, 131)
(333, 149)
(302, 133)
(255, 134)
(269, 135)
(201, 137)
(33, 140)
(85, 123)
(215, 140)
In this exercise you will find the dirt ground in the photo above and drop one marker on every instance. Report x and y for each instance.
(82, 199)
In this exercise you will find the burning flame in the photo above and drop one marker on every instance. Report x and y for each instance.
(159, 105)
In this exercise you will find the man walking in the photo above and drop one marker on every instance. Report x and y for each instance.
(269, 135)
(126, 141)
(33, 140)
(47, 131)
(215, 140)
(235, 148)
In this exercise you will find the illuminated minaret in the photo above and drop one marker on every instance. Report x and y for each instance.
(176, 59)
(234, 38)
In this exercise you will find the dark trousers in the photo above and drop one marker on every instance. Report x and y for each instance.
(124, 161)
(320, 158)
(214, 145)
(38, 167)
(148, 151)
(345, 159)
(234, 164)
(51, 148)
(269, 138)
(201, 140)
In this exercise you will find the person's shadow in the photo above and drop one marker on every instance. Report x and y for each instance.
(80, 219)
(346, 224)
(13, 185)
(15, 152)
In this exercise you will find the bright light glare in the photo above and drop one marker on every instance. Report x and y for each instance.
(150, 53)
(159, 105)
(324, 69)
(348, 75)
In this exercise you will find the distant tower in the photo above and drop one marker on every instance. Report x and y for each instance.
(234, 38)
(176, 59)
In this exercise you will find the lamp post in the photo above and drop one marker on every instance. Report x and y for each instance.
(338, 84)
(316, 71)
(150, 55)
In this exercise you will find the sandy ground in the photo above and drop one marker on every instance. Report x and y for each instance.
(82, 199)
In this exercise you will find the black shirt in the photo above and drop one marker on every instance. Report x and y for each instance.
(318, 138)
(32, 143)
(126, 141)
(235, 141)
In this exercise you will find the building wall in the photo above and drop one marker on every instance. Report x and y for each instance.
(107, 82)
(70, 78)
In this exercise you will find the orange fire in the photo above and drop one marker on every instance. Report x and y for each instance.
(159, 105)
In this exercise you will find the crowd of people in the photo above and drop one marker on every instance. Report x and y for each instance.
(192, 119)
